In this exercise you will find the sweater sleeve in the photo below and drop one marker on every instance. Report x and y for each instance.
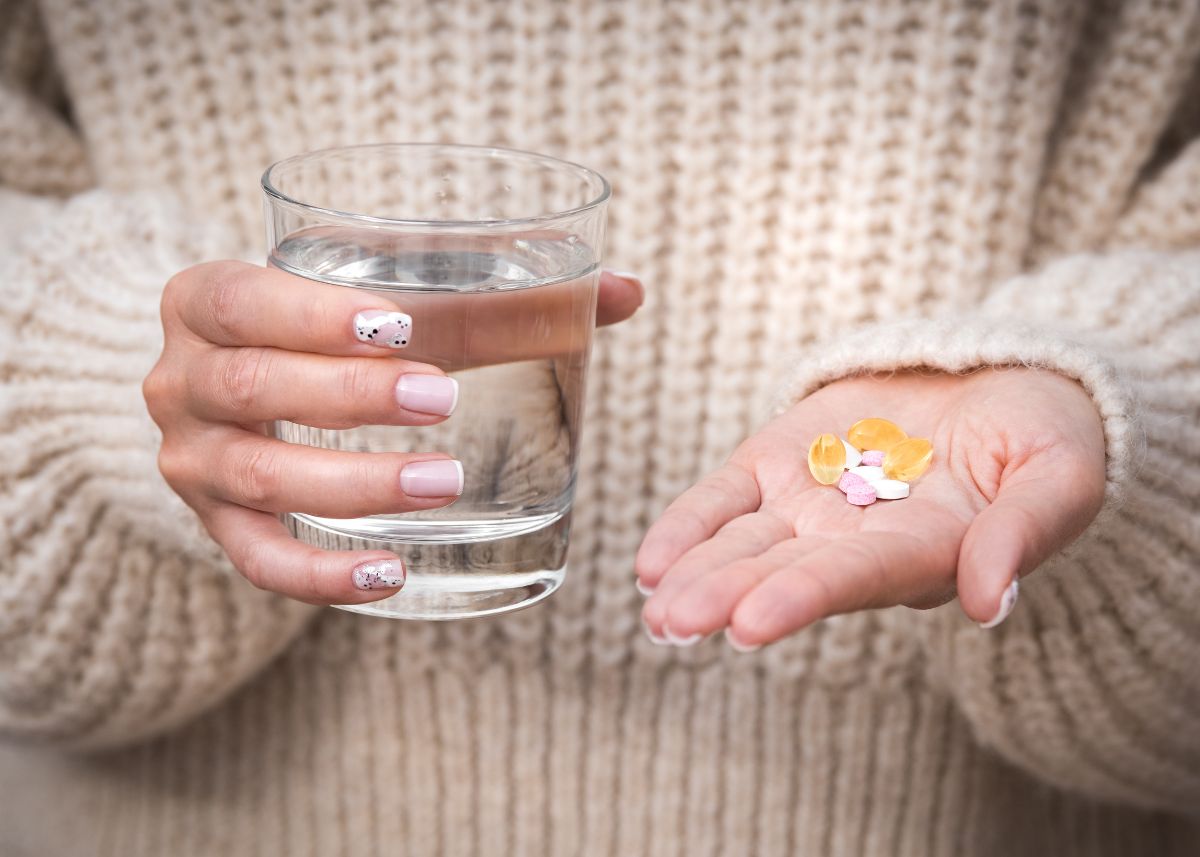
(119, 618)
(1091, 684)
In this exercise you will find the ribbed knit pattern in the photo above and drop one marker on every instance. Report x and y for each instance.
(809, 190)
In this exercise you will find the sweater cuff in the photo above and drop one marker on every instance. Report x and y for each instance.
(960, 345)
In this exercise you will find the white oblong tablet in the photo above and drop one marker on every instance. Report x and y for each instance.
(853, 456)
(890, 489)
(871, 474)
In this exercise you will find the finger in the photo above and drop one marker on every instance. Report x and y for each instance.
(1029, 520)
(245, 385)
(858, 572)
(706, 604)
(745, 536)
(273, 476)
(266, 554)
(694, 516)
(619, 296)
(239, 304)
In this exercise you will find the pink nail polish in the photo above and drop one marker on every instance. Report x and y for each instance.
(443, 478)
(383, 328)
(383, 574)
(427, 394)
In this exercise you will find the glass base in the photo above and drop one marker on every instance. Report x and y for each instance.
(440, 597)
(483, 571)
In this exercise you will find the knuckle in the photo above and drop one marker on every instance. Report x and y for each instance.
(311, 588)
(256, 476)
(358, 382)
(227, 290)
(364, 492)
(317, 315)
(243, 377)
(176, 289)
(253, 564)
(158, 391)
(175, 467)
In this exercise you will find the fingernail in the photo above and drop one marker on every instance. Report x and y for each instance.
(654, 638)
(736, 645)
(443, 478)
(630, 277)
(427, 394)
(383, 328)
(384, 574)
(1007, 602)
(682, 642)
(647, 591)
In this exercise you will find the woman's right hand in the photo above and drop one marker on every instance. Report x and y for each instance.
(246, 345)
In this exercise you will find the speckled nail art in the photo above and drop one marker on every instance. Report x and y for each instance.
(386, 574)
(382, 328)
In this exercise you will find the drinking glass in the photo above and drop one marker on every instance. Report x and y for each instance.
(495, 254)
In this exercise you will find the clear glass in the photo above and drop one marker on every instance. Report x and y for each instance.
(495, 254)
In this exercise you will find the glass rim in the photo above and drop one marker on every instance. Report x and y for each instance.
(277, 195)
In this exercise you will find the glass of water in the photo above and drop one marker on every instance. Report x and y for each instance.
(495, 255)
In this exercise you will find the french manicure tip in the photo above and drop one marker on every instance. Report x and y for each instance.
(1007, 602)
(462, 478)
(737, 646)
(682, 642)
(657, 640)
(645, 590)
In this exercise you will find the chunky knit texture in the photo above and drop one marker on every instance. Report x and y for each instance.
(810, 190)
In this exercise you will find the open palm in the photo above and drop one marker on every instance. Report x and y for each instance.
(759, 547)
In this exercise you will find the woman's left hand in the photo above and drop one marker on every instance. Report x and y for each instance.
(760, 548)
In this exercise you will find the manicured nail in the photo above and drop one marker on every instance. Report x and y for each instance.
(630, 277)
(383, 328)
(736, 645)
(443, 478)
(382, 574)
(682, 642)
(645, 590)
(1007, 602)
(427, 394)
(627, 275)
(654, 638)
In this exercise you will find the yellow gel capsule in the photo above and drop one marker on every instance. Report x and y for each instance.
(827, 459)
(875, 433)
(908, 459)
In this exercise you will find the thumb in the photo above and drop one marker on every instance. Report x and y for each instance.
(1038, 511)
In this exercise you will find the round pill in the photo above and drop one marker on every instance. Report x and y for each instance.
(872, 457)
(890, 489)
(854, 457)
(861, 496)
(870, 474)
(850, 481)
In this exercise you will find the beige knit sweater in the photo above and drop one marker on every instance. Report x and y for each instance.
(793, 180)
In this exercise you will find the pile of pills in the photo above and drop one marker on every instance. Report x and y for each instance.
(876, 461)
